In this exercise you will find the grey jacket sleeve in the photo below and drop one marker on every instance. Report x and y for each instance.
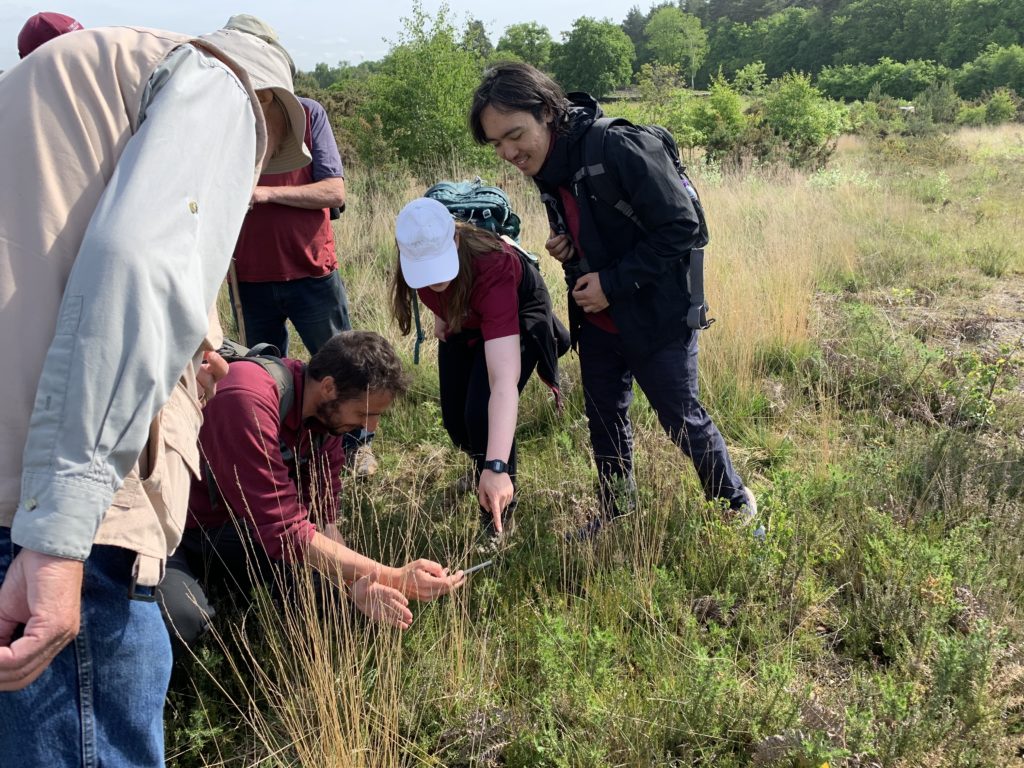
(136, 303)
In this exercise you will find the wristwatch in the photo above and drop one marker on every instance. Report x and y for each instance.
(496, 465)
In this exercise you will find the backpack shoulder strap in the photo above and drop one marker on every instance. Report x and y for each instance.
(599, 180)
(284, 381)
(268, 357)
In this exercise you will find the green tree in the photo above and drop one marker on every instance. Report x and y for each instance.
(633, 25)
(529, 42)
(596, 57)
(751, 79)
(476, 40)
(996, 67)
(677, 38)
(416, 105)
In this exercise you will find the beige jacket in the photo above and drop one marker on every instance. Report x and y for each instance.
(78, 103)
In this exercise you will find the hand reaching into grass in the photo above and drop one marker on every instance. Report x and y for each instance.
(381, 603)
(425, 580)
(495, 492)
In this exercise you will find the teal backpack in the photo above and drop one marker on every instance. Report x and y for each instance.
(481, 205)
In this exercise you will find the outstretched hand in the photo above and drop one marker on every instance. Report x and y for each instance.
(43, 593)
(425, 580)
(381, 603)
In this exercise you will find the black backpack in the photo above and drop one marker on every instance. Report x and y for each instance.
(268, 357)
(607, 189)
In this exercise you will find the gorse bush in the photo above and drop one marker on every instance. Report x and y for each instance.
(806, 123)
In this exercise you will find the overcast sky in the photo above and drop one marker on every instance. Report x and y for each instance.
(312, 30)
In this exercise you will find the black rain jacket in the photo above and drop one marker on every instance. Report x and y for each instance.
(643, 275)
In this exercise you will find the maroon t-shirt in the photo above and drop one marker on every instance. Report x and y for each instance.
(493, 300)
(240, 439)
(282, 242)
(602, 319)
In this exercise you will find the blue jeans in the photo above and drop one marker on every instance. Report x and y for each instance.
(317, 307)
(101, 700)
(669, 379)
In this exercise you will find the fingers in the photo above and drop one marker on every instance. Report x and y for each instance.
(393, 607)
(27, 658)
(213, 369)
(217, 364)
(559, 247)
(43, 593)
(430, 567)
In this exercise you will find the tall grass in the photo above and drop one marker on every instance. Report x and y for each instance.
(877, 626)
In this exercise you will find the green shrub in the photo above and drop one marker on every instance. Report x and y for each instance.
(971, 116)
(938, 103)
(804, 120)
(718, 121)
(1001, 108)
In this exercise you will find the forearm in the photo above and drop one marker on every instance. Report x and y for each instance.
(503, 367)
(326, 193)
(343, 565)
(502, 415)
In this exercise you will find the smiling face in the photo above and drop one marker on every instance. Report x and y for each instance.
(518, 138)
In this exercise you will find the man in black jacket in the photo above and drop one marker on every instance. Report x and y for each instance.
(628, 291)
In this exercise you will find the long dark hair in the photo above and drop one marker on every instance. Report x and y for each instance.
(518, 87)
(473, 242)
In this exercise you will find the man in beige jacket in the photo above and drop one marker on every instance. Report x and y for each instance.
(129, 159)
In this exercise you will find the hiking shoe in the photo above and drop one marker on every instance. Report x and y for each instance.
(746, 515)
(364, 463)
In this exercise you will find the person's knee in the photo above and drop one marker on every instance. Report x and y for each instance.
(185, 608)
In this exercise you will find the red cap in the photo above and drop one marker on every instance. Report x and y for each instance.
(42, 27)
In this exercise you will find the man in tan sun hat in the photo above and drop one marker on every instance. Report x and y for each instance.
(286, 260)
(128, 168)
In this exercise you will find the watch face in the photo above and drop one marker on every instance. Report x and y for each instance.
(496, 465)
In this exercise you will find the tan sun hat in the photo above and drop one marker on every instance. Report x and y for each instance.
(269, 68)
(253, 25)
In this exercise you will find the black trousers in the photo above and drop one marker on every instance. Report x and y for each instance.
(669, 380)
(465, 393)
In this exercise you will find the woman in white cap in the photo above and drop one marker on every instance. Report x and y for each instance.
(484, 296)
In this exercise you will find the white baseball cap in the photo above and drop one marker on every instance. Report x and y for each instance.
(425, 232)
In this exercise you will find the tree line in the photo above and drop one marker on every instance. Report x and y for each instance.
(768, 100)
